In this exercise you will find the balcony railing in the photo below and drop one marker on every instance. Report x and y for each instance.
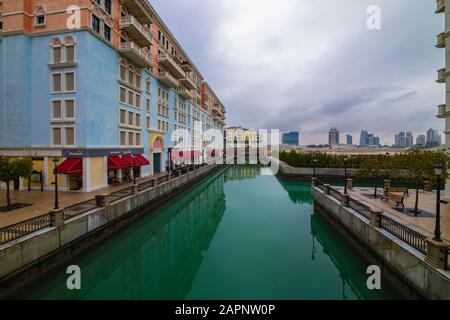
(168, 79)
(186, 66)
(141, 9)
(185, 93)
(440, 6)
(135, 54)
(441, 76)
(140, 33)
(170, 65)
(443, 112)
(188, 82)
(440, 40)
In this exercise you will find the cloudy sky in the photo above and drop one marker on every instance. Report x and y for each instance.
(310, 65)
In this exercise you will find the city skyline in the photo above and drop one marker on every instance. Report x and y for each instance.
(402, 87)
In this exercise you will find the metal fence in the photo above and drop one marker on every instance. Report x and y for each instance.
(18, 230)
(408, 235)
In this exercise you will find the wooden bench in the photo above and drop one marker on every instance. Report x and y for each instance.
(405, 191)
(395, 198)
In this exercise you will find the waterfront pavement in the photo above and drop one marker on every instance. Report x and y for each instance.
(424, 224)
(43, 201)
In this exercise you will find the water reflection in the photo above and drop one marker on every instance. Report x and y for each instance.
(155, 258)
(242, 172)
(299, 192)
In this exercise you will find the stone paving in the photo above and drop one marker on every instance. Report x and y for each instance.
(427, 202)
(43, 201)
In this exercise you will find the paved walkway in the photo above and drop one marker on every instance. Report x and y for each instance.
(423, 224)
(43, 201)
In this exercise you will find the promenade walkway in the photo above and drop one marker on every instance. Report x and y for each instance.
(423, 223)
(43, 201)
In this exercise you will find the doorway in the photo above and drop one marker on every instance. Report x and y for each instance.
(156, 162)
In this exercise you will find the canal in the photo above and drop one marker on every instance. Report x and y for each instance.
(236, 235)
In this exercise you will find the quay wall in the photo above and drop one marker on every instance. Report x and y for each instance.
(25, 259)
(386, 250)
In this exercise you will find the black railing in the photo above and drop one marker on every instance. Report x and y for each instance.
(79, 208)
(319, 184)
(408, 235)
(336, 194)
(18, 230)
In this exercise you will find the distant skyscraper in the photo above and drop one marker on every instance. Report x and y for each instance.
(291, 138)
(368, 140)
(363, 138)
(421, 140)
(349, 139)
(404, 140)
(433, 138)
(333, 137)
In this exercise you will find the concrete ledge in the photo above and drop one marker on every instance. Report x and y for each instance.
(409, 264)
(19, 255)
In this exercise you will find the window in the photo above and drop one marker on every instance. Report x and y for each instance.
(56, 110)
(123, 72)
(70, 109)
(147, 105)
(123, 138)
(138, 80)
(130, 118)
(148, 123)
(138, 139)
(148, 84)
(123, 117)
(96, 23)
(57, 136)
(130, 97)
(108, 6)
(131, 77)
(130, 138)
(123, 95)
(138, 119)
(56, 83)
(39, 20)
(70, 136)
(107, 32)
(138, 101)
(1, 25)
(70, 81)
(57, 54)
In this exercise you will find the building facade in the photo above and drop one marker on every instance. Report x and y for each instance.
(368, 140)
(99, 85)
(333, 137)
(404, 140)
(349, 139)
(291, 138)
(433, 139)
(421, 140)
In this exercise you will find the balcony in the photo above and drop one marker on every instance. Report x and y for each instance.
(441, 40)
(135, 54)
(134, 28)
(443, 112)
(185, 93)
(440, 6)
(141, 9)
(170, 65)
(441, 76)
(189, 83)
(168, 79)
(186, 66)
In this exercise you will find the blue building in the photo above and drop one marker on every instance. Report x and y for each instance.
(100, 99)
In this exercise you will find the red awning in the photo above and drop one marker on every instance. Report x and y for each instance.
(70, 166)
(144, 161)
(132, 161)
(116, 162)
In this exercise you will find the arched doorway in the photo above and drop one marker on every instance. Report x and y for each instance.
(157, 148)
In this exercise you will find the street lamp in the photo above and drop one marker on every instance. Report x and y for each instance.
(55, 171)
(314, 167)
(387, 164)
(345, 174)
(438, 168)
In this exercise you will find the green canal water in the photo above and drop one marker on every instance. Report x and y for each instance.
(236, 235)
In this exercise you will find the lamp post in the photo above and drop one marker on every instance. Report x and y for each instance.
(55, 171)
(387, 164)
(345, 174)
(438, 168)
(314, 167)
(134, 170)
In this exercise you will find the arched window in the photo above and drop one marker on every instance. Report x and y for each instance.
(69, 46)
(56, 50)
(39, 16)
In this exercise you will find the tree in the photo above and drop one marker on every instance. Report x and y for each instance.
(371, 167)
(419, 165)
(11, 171)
